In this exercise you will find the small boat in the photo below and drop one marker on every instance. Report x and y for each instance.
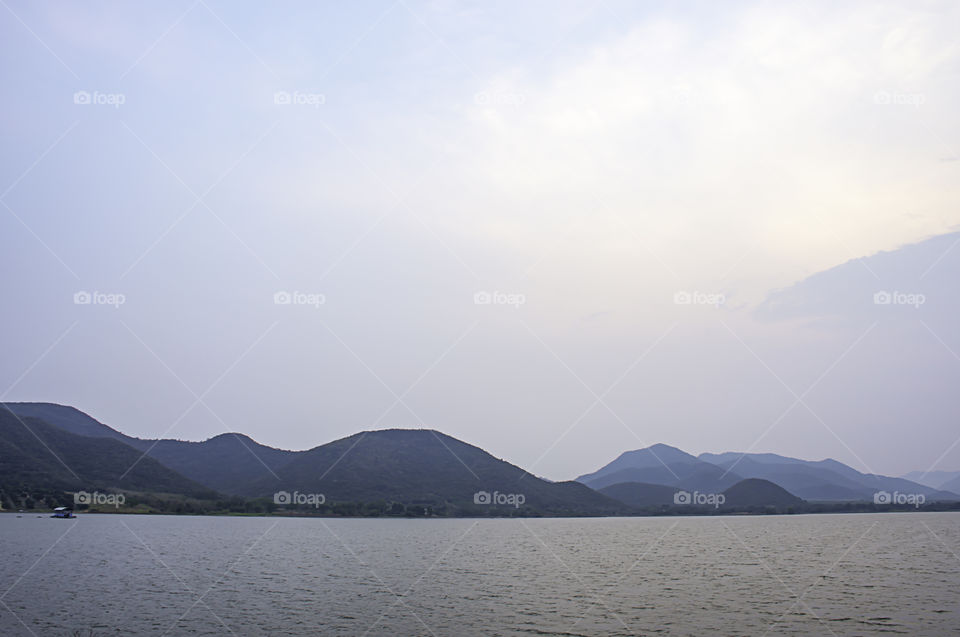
(63, 512)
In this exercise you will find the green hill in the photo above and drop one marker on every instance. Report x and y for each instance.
(430, 469)
(220, 463)
(39, 458)
(756, 492)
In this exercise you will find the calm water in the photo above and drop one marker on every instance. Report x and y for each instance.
(800, 575)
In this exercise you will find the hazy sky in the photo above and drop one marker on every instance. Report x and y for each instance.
(590, 166)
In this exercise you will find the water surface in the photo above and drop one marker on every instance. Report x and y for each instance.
(795, 575)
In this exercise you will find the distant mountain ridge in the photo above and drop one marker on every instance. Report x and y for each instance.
(37, 455)
(51, 448)
(823, 480)
(223, 463)
(413, 468)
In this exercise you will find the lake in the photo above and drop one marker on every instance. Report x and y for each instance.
(796, 575)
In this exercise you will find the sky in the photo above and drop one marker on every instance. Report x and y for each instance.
(557, 231)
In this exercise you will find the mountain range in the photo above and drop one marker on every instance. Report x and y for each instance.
(48, 450)
(821, 481)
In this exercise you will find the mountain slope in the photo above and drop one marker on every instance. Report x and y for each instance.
(654, 456)
(952, 485)
(425, 468)
(37, 456)
(822, 480)
(692, 477)
(70, 419)
(641, 495)
(661, 464)
(754, 492)
(223, 463)
(935, 479)
(220, 463)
